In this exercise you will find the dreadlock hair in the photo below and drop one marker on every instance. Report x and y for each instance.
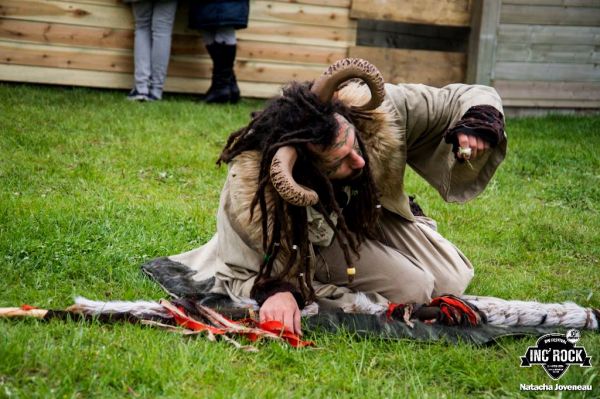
(296, 118)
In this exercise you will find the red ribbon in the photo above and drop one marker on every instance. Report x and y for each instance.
(456, 310)
(259, 329)
(187, 322)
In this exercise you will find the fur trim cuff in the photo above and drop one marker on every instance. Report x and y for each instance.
(482, 121)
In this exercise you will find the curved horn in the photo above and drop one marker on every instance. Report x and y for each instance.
(346, 69)
(281, 178)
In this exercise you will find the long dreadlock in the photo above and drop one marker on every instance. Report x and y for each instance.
(298, 117)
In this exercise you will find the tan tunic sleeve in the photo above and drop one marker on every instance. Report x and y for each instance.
(426, 113)
(237, 250)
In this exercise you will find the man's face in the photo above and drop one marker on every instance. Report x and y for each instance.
(343, 159)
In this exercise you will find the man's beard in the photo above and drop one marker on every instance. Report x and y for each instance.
(356, 175)
(353, 180)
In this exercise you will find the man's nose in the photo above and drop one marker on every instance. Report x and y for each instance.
(358, 162)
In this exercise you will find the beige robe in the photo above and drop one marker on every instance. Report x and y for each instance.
(407, 128)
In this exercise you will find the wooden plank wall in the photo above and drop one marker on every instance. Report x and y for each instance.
(547, 53)
(417, 26)
(542, 53)
(89, 43)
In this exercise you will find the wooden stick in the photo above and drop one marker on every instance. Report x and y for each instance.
(18, 312)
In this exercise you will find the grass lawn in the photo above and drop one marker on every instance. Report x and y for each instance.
(91, 186)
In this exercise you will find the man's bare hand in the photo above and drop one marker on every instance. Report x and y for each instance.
(477, 145)
(282, 307)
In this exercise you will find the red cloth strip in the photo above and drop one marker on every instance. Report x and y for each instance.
(253, 333)
(277, 327)
(456, 311)
(185, 321)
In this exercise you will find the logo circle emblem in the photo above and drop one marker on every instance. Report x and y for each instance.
(573, 335)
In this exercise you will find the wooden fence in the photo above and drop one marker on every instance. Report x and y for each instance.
(540, 53)
(89, 43)
(410, 25)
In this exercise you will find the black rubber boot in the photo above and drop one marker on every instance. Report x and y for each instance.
(223, 88)
(235, 90)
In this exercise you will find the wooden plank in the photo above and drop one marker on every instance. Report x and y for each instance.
(326, 3)
(520, 112)
(573, 91)
(561, 3)
(551, 72)
(19, 53)
(62, 34)
(326, 12)
(285, 14)
(301, 14)
(575, 35)
(119, 19)
(113, 3)
(561, 53)
(431, 12)
(276, 73)
(299, 55)
(115, 80)
(549, 15)
(35, 74)
(482, 43)
(435, 68)
(122, 61)
(104, 38)
(550, 103)
(393, 34)
(278, 32)
(107, 16)
(69, 13)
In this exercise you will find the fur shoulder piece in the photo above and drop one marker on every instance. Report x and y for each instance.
(242, 182)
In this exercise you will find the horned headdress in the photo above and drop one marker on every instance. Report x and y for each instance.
(324, 87)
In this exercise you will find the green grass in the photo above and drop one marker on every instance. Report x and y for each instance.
(92, 185)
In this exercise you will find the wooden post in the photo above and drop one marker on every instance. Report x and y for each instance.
(482, 41)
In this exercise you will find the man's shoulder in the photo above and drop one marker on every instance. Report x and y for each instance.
(247, 162)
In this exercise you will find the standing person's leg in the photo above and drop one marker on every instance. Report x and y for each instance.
(163, 17)
(226, 36)
(222, 46)
(142, 14)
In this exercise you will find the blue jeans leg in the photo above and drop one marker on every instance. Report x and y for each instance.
(163, 17)
(142, 14)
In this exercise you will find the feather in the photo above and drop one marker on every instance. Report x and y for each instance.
(139, 309)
